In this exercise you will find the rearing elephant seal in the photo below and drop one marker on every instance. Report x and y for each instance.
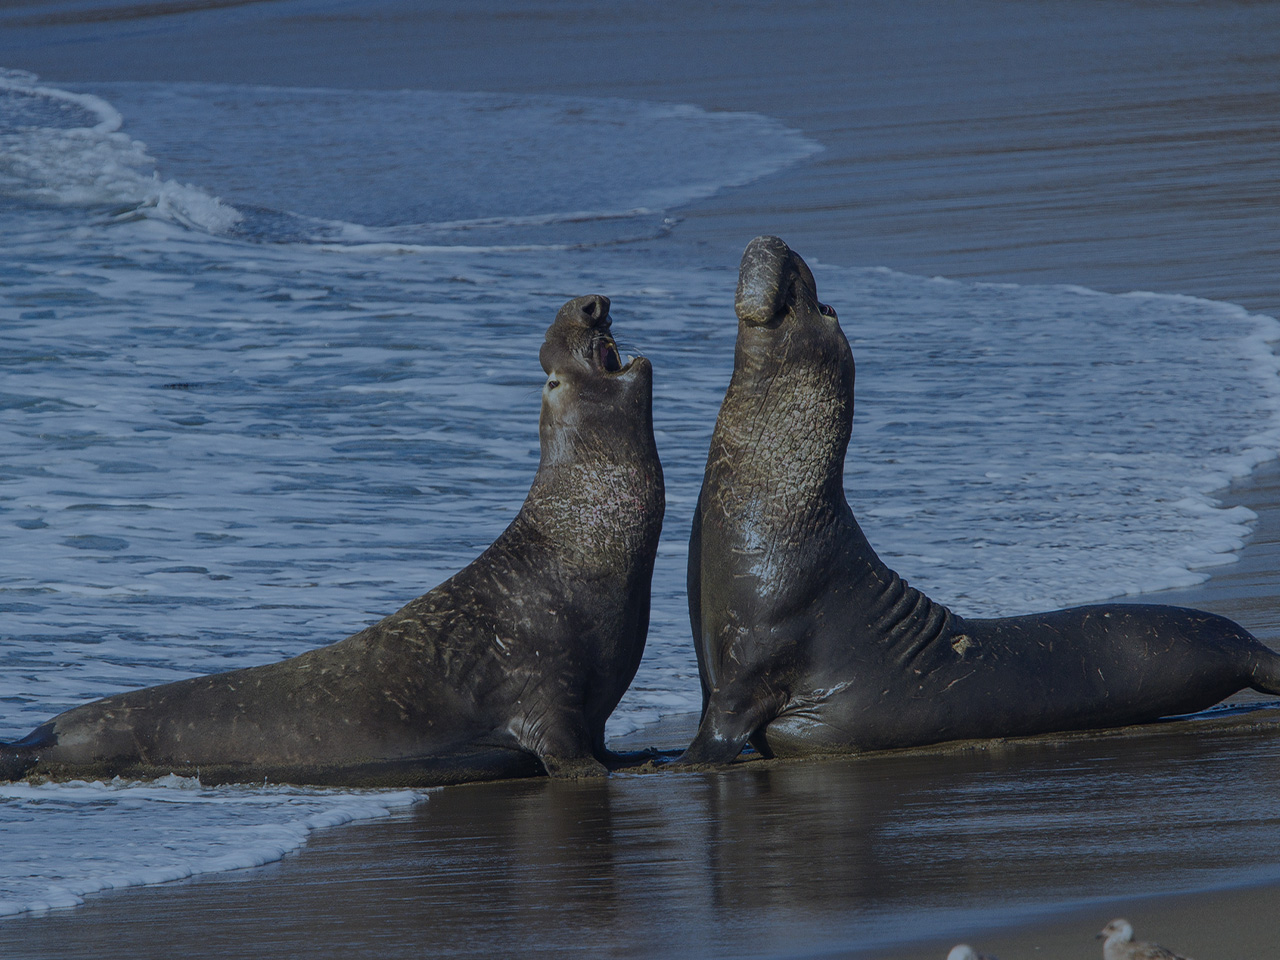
(508, 668)
(808, 644)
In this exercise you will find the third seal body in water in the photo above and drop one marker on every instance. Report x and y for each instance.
(508, 668)
(808, 643)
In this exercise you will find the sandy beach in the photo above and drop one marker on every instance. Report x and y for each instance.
(1119, 146)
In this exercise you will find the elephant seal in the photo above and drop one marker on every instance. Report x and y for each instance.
(508, 668)
(809, 644)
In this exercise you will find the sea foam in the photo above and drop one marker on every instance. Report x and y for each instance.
(164, 830)
(66, 148)
(428, 167)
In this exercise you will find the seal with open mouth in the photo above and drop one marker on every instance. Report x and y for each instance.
(508, 668)
(808, 644)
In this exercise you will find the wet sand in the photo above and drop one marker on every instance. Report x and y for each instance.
(1119, 146)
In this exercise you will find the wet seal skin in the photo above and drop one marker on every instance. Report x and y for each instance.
(509, 668)
(808, 644)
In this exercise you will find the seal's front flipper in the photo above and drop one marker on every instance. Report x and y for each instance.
(564, 747)
(723, 733)
(735, 714)
(711, 748)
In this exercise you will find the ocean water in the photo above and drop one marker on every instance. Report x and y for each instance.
(268, 370)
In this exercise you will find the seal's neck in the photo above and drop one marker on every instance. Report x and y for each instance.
(784, 427)
(601, 507)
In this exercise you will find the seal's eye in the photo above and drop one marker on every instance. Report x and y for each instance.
(827, 311)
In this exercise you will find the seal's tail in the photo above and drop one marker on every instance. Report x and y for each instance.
(18, 757)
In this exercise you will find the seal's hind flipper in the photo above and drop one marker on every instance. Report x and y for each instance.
(20, 756)
(1264, 675)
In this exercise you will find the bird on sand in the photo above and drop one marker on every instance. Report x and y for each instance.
(962, 951)
(1117, 937)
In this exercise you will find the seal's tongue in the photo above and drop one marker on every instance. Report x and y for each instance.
(761, 291)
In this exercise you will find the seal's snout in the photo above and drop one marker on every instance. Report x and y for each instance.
(773, 279)
(762, 286)
(591, 311)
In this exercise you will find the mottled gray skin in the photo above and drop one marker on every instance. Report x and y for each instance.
(508, 668)
(808, 644)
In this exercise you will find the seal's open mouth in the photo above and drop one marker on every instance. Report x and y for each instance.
(606, 351)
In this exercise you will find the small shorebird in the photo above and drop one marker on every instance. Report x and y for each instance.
(1119, 945)
(963, 951)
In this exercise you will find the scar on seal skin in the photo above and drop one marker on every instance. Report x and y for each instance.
(809, 644)
(508, 668)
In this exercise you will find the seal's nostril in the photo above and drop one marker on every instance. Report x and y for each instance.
(589, 313)
(595, 309)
